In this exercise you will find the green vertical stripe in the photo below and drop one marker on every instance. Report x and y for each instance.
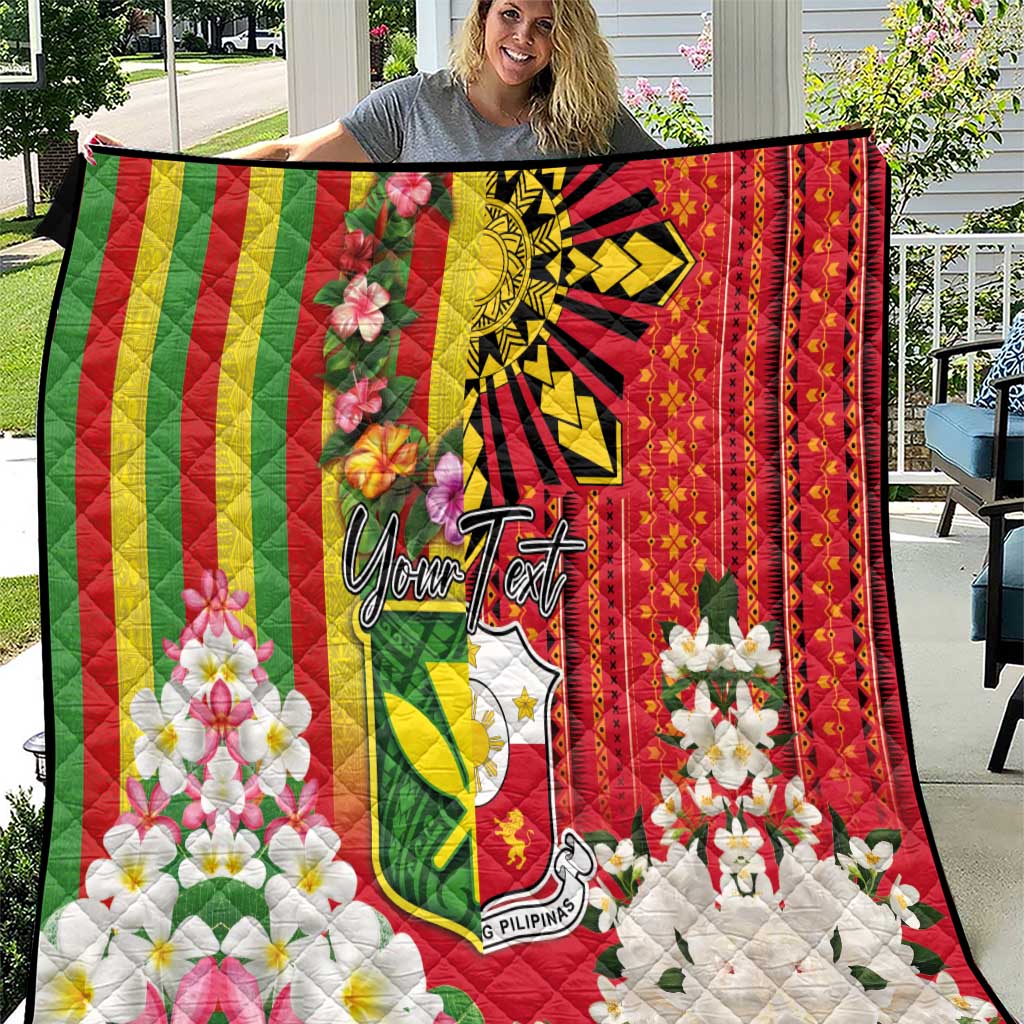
(163, 410)
(269, 423)
(62, 376)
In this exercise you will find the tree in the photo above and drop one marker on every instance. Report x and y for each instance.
(398, 15)
(81, 77)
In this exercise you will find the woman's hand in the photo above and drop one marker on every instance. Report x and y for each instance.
(96, 139)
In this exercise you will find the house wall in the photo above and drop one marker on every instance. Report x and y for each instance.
(645, 36)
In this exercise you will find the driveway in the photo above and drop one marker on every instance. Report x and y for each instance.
(211, 100)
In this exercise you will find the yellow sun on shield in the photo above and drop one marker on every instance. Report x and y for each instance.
(484, 742)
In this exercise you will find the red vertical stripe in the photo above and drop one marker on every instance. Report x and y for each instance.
(202, 373)
(100, 715)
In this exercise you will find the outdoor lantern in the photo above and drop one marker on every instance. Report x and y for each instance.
(37, 745)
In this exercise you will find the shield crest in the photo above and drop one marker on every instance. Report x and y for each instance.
(461, 778)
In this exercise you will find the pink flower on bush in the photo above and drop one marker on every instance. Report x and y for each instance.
(379, 32)
(362, 399)
(631, 96)
(677, 92)
(361, 309)
(215, 606)
(408, 190)
(445, 498)
(357, 252)
(221, 720)
(299, 815)
(145, 812)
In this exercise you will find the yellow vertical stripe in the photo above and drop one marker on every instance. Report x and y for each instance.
(129, 559)
(344, 651)
(235, 385)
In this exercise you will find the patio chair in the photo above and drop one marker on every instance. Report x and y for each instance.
(998, 614)
(980, 446)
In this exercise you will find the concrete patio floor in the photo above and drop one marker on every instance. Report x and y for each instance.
(977, 817)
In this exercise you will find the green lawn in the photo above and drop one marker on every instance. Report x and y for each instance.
(19, 615)
(266, 128)
(199, 58)
(16, 227)
(25, 297)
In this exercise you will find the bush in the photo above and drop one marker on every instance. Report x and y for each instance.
(402, 60)
(192, 43)
(21, 848)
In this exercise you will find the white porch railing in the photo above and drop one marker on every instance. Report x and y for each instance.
(965, 270)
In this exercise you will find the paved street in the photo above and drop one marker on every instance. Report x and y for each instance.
(211, 100)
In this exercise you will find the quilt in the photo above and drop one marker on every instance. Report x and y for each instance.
(467, 599)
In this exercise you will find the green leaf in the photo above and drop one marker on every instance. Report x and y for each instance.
(373, 356)
(666, 631)
(398, 314)
(926, 915)
(333, 341)
(840, 837)
(683, 948)
(395, 397)
(640, 847)
(593, 839)
(420, 529)
(719, 601)
(458, 1005)
(371, 532)
(925, 961)
(591, 919)
(837, 946)
(773, 628)
(868, 978)
(443, 204)
(363, 218)
(671, 980)
(338, 445)
(884, 835)
(676, 741)
(332, 294)
(700, 837)
(608, 962)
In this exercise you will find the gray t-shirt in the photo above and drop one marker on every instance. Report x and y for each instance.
(428, 117)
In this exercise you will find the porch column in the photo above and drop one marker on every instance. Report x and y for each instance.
(328, 55)
(433, 33)
(758, 89)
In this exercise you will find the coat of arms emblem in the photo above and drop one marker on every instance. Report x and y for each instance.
(461, 779)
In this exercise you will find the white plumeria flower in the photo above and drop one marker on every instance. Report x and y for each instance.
(606, 905)
(310, 876)
(874, 858)
(745, 876)
(686, 651)
(222, 791)
(165, 958)
(618, 861)
(698, 725)
(796, 803)
(222, 855)
(759, 800)
(969, 1006)
(134, 875)
(169, 736)
(666, 814)
(756, 723)
(756, 649)
(271, 958)
(364, 982)
(750, 881)
(901, 899)
(734, 755)
(725, 656)
(705, 799)
(218, 657)
(75, 981)
(609, 1010)
(271, 737)
(737, 845)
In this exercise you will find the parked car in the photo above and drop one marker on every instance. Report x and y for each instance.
(267, 40)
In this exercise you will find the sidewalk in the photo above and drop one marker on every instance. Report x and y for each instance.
(19, 521)
(14, 256)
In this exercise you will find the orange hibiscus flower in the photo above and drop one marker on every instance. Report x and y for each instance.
(383, 453)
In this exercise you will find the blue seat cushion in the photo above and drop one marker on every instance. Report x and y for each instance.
(1013, 592)
(1008, 362)
(963, 435)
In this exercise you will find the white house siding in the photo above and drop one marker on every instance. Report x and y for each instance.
(645, 36)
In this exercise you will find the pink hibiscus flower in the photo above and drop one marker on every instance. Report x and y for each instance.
(357, 250)
(145, 812)
(299, 815)
(214, 605)
(445, 498)
(362, 399)
(221, 720)
(408, 190)
(361, 309)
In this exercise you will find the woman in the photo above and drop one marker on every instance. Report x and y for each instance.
(528, 79)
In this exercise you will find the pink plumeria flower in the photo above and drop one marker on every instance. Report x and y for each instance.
(263, 652)
(299, 815)
(362, 399)
(215, 606)
(210, 987)
(282, 1012)
(221, 720)
(194, 815)
(445, 498)
(145, 812)
(361, 309)
(155, 1012)
(408, 190)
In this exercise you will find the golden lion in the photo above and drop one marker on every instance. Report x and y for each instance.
(517, 846)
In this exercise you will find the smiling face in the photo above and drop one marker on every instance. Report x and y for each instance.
(517, 38)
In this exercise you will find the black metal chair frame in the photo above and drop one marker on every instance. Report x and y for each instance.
(968, 491)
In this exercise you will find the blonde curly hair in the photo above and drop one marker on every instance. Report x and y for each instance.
(575, 100)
